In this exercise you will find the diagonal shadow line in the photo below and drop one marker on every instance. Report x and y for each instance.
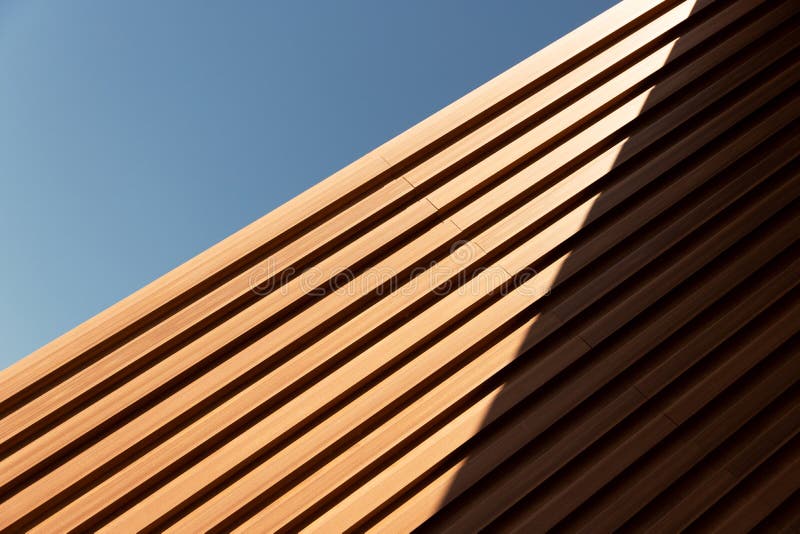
(465, 488)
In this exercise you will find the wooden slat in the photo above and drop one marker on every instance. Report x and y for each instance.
(760, 494)
(706, 484)
(628, 450)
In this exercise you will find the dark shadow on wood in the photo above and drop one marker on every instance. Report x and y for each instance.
(533, 413)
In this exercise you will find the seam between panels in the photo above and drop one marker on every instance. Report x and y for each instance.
(446, 219)
(386, 161)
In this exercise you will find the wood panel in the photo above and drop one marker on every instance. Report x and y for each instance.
(569, 300)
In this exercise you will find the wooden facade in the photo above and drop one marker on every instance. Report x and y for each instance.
(566, 301)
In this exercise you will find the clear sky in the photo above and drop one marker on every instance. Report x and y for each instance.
(134, 135)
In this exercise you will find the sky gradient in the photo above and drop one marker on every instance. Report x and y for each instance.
(134, 135)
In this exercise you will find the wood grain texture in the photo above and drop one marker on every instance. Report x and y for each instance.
(569, 301)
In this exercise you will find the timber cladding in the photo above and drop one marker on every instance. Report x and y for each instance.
(566, 301)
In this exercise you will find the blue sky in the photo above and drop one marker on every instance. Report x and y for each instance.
(134, 135)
